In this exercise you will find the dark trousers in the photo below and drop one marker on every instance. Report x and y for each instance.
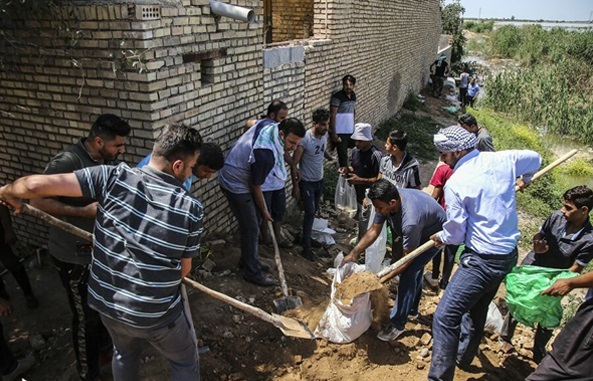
(409, 290)
(571, 357)
(342, 148)
(16, 268)
(542, 336)
(449, 253)
(7, 360)
(463, 95)
(89, 335)
(458, 323)
(469, 101)
(310, 194)
(245, 211)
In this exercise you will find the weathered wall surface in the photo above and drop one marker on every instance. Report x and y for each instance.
(199, 69)
(292, 19)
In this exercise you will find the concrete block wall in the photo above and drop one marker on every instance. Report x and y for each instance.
(199, 69)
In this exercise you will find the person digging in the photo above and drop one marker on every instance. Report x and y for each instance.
(413, 216)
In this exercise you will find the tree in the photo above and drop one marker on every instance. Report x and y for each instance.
(452, 24)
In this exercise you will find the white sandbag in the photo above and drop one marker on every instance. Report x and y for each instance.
(343, 323)
(494, 320)
(374, 254)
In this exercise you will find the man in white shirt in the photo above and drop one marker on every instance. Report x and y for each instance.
(481, 213)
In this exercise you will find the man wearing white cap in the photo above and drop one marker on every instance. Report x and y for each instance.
(365, 160)
(481, 213)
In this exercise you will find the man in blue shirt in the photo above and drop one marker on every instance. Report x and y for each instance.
(481, 213)
(413, 216)
(258, 153)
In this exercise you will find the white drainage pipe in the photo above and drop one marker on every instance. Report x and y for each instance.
(232, 11)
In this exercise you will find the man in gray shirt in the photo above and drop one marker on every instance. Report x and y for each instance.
(71, 255)
(485, 143)
(413, 216)
(309, 158)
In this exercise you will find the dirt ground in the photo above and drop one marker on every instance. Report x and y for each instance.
(237, 346)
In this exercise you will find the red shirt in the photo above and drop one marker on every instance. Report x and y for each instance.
(438, 180)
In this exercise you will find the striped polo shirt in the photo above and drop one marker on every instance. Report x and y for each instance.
(146, 223)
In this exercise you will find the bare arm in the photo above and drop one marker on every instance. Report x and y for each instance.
(36, 186)
(59, 209)
(185, 266)
(564, 286)
(258, 196)
(437, 193)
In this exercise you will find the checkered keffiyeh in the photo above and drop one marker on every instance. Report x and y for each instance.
(454, 139)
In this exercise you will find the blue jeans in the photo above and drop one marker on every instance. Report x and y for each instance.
(245, 211)
(458, 323)
(174, 341)
(409, 290)
(310, 194)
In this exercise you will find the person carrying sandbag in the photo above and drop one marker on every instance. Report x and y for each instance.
(565, 241)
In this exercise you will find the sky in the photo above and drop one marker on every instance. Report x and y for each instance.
(569, 10)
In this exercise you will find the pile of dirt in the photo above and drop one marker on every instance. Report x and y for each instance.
(356, 284)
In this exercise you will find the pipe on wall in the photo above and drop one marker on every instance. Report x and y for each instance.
(232, 11)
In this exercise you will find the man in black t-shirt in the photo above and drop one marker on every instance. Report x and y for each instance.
(363, 170)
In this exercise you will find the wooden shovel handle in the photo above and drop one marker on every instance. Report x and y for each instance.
(551, 166)
(257, 312)
(51, 220)
(278, 260)
(384, 274)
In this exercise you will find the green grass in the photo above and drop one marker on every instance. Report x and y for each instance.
(420, 131)
(544, 195)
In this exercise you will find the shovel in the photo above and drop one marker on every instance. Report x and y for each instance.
(286, 302)
(288, 326)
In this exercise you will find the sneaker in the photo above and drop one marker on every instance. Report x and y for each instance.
(264, 281)
(434, 283)
(22, 366)
(413, 317)
(32, 302)
(389, 333)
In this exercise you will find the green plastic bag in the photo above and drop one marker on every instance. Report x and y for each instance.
(524, 287)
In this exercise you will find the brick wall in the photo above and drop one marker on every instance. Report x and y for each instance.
(199, 69)
(292, 20)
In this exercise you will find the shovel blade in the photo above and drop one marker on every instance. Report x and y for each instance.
(287, 303)
(292, 327)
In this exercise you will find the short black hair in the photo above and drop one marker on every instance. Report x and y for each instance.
(276, 106)
(177, 142)
(580, 196)
(398, 138)
(468, 120)
(383, 190)
(320, 115)
(211, 156)
(350, 78)
(292, 126)
(108, 126)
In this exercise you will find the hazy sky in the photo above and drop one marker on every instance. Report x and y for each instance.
(530, 9)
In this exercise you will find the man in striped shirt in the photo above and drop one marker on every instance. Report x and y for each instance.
(147, 231)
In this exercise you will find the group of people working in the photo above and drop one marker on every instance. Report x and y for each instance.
(147, 228)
